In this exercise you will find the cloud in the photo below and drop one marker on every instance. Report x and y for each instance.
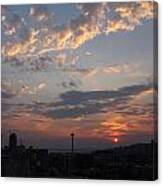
(63, 58)
(128, 68)
(122, 113)
(60, 59)
(110, 70)
(7, 95)
(22, 89)
(41, 86)
(79, 30)
(39, 12)
(10, 94)
(88, 53)
(136, 11)
(11, 22)
(25, 123)
(29, 90)
(14, 30)
(122, 126)
(93, 20)
(90, 72)
(128, 118)
(130, 15)
(7, 91)
(23, 47)
(78, 103)
(119, 25)
(70, 84)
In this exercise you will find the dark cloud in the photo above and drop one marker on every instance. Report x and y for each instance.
(5, 107)
(77, 103)
(74, 112)
(79, 97)
(71, 83)
(7, 95)
(12, 109)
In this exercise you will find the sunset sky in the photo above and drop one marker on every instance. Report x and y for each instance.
(82, 68)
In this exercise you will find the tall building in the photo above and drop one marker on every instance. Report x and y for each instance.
(12, 141)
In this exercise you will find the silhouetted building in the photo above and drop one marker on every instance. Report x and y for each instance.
(133, 162)
(12, 141)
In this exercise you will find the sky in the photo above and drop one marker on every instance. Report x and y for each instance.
(81, 68)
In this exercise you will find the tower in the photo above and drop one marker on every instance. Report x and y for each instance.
(12, 141)
(72, 142)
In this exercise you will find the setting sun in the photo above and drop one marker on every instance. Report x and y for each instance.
(115, 140)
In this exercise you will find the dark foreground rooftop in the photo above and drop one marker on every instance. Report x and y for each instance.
(134, 162)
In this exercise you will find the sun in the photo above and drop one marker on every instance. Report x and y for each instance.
(115, 140)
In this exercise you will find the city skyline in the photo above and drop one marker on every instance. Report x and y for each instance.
(86, 69)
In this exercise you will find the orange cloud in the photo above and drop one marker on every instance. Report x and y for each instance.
(119, 25)
(118, 125)
(130, 16)
(110, 70)
(23, 47)
(93, 21)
